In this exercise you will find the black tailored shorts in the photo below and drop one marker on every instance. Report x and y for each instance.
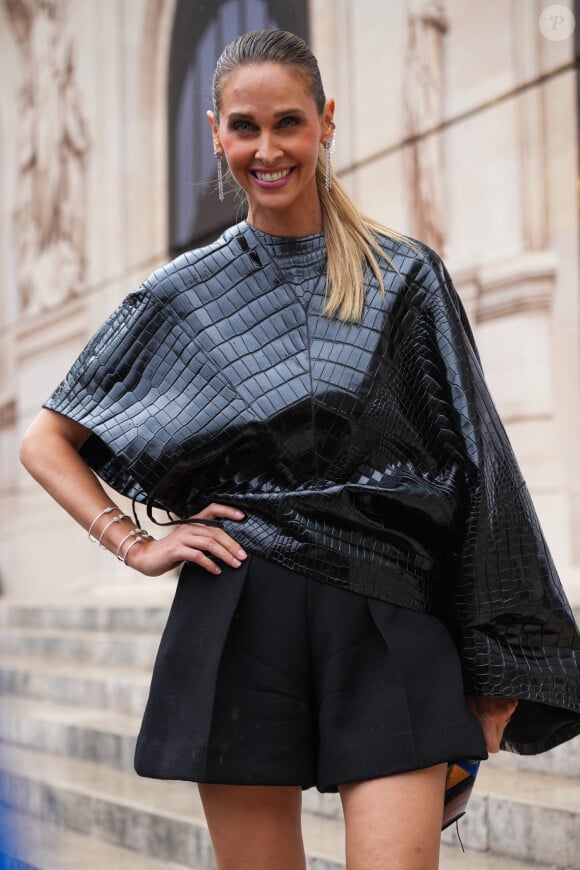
(321, 686)
(314, 686)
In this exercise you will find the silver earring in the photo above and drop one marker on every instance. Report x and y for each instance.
(220, 176)
(328, 151)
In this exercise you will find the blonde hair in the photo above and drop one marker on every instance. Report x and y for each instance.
(351, 238)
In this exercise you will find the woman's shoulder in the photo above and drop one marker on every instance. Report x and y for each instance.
(194, 267)
(407, 250)
(422, 277)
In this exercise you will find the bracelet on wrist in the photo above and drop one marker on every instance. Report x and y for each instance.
(103, 513)
(112, 522)
(139, 537)
(135, 536)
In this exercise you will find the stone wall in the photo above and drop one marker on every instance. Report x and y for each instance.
(456, 123)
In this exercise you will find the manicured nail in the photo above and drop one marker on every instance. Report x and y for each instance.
(236, 563)
(241, 554)
(217, 570)
(240, 514)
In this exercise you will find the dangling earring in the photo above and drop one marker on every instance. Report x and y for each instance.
(328, 151)
(220, 177)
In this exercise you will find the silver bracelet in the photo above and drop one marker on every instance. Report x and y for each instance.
(106, 510)
(142, 534)
(137, 540)
(131, 534)
(111, 523)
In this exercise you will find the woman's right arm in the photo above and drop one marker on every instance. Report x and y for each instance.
(50, 453)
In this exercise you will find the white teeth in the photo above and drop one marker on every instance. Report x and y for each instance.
(272, 176)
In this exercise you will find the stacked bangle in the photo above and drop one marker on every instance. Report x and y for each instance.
(106, 510)
(137, 535)
(112, 522)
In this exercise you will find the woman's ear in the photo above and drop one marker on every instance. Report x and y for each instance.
(217, 145)
(328, 124)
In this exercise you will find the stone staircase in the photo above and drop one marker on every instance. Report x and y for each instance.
(73, 684)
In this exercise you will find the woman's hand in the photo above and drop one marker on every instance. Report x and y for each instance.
(493, 714)
(190, 543)
(50, 452)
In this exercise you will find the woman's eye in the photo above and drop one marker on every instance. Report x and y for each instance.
(243, 126)
(289, 122)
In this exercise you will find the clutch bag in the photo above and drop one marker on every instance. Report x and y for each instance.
(458, 787)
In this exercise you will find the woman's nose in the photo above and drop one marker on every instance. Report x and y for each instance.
(267, 150)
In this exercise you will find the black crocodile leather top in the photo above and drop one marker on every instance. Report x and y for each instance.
(367, 455)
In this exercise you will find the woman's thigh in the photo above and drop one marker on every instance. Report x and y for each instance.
(254, 827)
(395, 821)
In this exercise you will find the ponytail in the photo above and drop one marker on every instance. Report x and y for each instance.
(352, 247)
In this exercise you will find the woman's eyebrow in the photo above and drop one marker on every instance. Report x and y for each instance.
(289, 112)
(234, 116)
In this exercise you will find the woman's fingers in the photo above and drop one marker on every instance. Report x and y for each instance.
(203, 541)
(213, 542)
(198, 557)
(156, 557)
(202, 544)
(192, 542)
(492, 732)
(214, 539)
(493, 715)
(513, 703)
(216, 511)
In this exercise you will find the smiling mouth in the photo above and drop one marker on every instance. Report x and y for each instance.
(263, 175)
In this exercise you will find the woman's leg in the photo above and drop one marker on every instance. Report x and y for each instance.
(394, 821)
(254, 827)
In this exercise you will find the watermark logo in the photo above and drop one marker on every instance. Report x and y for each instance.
(557, 22)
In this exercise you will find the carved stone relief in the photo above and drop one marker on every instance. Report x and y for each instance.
(50, 213)
(422, 111)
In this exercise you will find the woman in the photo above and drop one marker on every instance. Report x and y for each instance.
(305, 395)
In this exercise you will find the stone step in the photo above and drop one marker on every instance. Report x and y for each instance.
(455, 859)
(122, 689)
(132, 649)
(164, 821)
(563, 760)
(86, 733)
(40, 846)
(133, 611)
(523, 815)
(46, 847)
(528, 817)
(102, 616)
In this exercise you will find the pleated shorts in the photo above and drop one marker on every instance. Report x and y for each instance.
(266, 677)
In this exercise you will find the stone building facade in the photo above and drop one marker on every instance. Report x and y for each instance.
(457, 123)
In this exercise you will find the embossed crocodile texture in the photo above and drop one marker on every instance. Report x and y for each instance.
(368, 455)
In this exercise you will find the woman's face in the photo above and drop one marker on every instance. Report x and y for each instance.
(269, 131)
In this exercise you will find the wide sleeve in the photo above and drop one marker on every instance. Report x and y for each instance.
(513, 622)
(113, 390)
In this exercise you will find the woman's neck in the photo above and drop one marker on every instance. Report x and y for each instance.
(286, 223)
